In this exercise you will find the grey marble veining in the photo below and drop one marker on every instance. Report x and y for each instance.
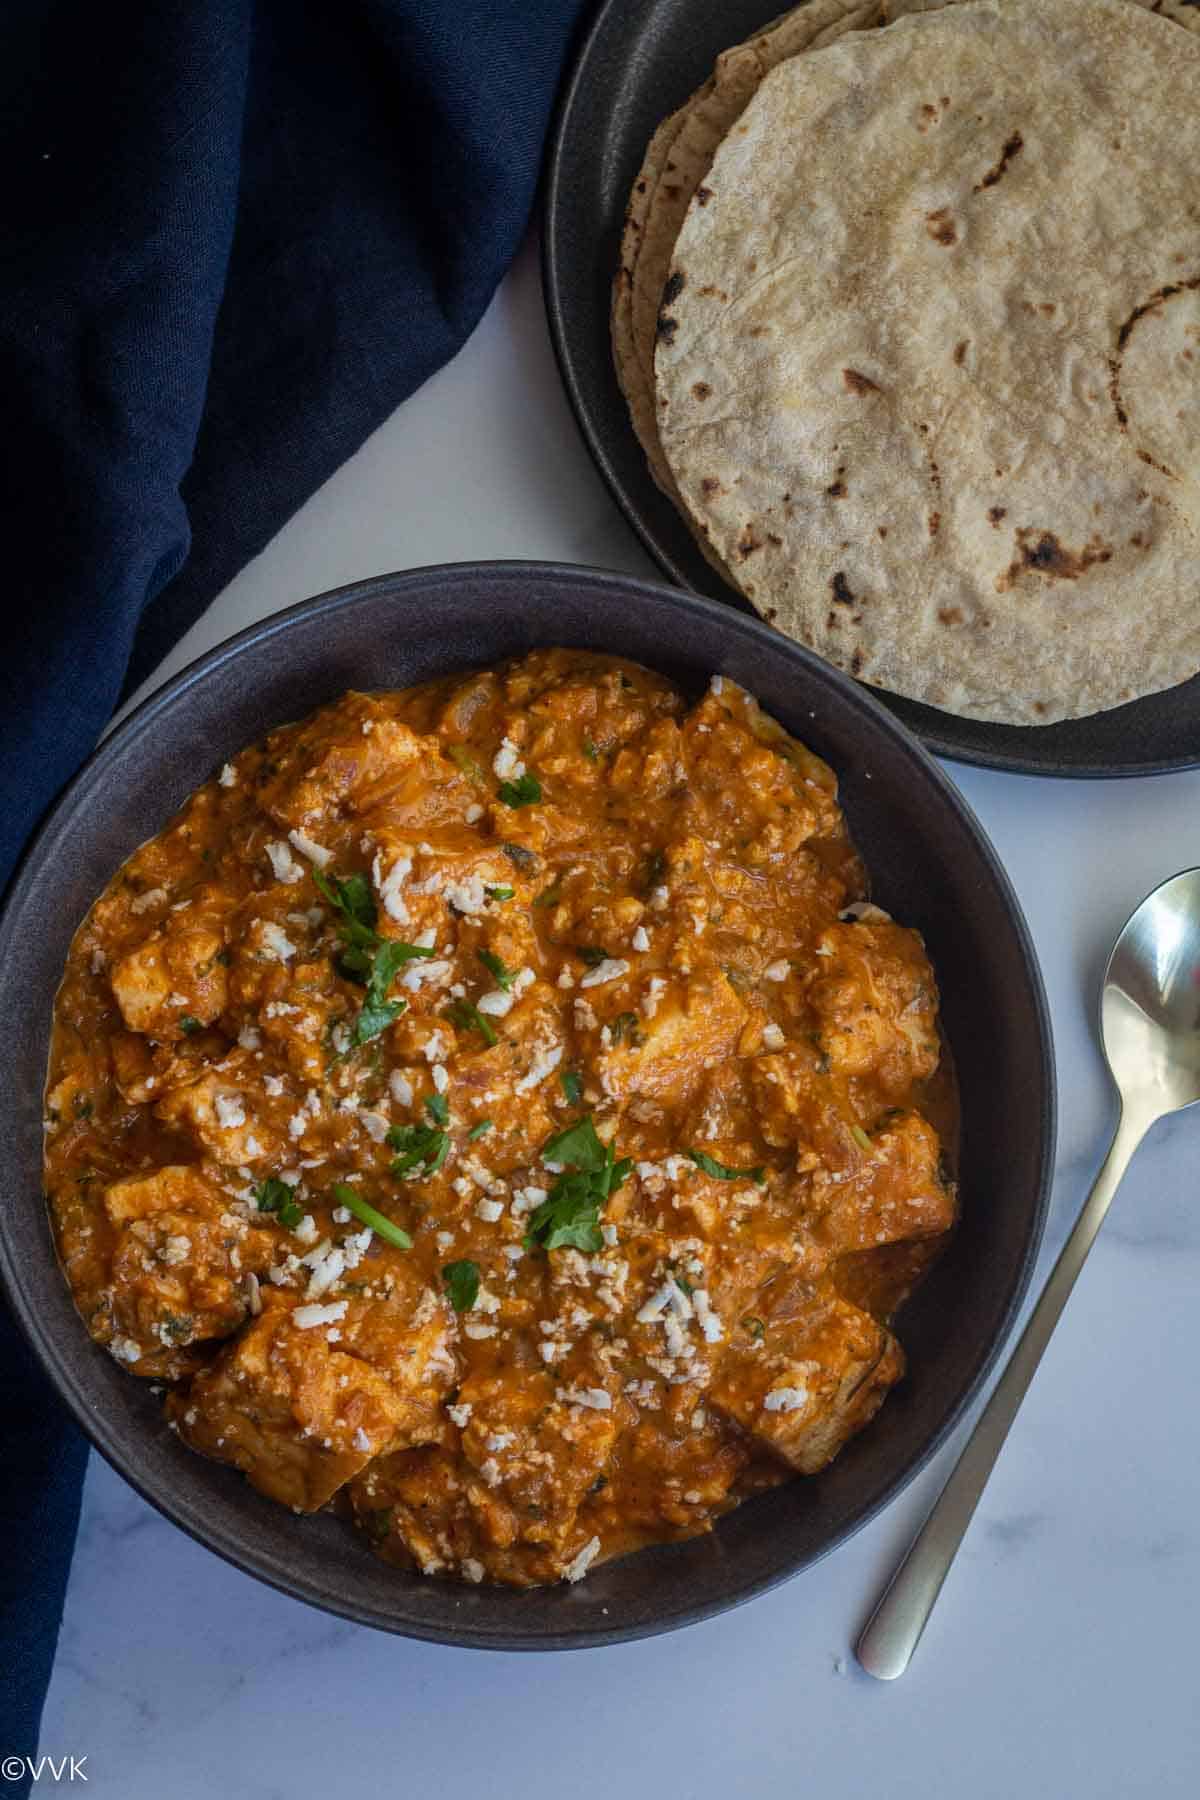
(1061, 1661)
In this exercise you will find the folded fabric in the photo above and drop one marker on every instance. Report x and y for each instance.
(237, 234)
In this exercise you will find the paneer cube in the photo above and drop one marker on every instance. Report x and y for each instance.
(176, 974)
(298, 1414)
(896, 1192)
(875, 1004)
(811, 1383)
(180, 1262)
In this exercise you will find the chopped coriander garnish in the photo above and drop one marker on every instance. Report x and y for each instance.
(591, 954)
(495, 967)
(462, 1284)
(570, 1213)
(275, 1196)
(438, 1108)
(365, 956)
(720, 1172)
(469, 1018)
(461, 756)
(590, 750)
(362, 1209)
(353, 899)
(478, 1129)
(626, 1029)
(423, 1149)
(499, 893)
(518, 854)
(526, 790)
(189, 1023)
(755, 1327)
(684, 1285)
(860, 1137)
(572, 1086)
(549, 896)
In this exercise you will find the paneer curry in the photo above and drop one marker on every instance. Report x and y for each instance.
(494, 1109)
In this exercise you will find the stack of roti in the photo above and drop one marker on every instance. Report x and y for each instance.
(908, 321)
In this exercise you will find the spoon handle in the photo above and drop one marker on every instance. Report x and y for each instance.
(894, 1629)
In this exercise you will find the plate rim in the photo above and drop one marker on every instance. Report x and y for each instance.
(554, 271)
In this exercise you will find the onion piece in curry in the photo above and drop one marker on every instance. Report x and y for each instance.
(493, 1109)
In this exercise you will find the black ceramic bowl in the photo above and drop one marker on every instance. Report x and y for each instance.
(931, 865)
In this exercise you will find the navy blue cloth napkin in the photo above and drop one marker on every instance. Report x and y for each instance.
(237, 233)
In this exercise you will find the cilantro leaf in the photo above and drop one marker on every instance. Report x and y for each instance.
(462, 1284)
(438, 1108)
(569, 1216)
(526, 790)
(353, 899)
(188, 1024)
(497, 968)
(462, 758)
(577, 1145)
(469, 1018)
(362, 1209)
(720, 1172)
(378, 1011)
(499, 893)
(571, 1085)
(478, 1130)
(591, 954)
(274, 1196)
(366, 957)
(423, 1149)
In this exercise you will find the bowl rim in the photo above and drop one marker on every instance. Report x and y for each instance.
(294, 1580)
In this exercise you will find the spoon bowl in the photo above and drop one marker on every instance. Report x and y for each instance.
(1150, 1001)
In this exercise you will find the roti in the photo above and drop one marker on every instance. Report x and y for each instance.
(676, 163)
(929, 378)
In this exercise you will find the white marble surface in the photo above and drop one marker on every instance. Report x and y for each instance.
(1061, 1661)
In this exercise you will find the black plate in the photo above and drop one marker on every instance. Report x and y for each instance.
(931, 863)
(640, 60)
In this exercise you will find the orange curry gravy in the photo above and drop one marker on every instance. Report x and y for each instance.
(629, 920)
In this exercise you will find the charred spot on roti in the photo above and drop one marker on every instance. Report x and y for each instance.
(856, 663)
(1013, 146)
(1041, 552)
(882, 530)
(711, 484)
(1153, 304)
(950, 615)
(841, 589)
(701, 390)
(941, 227)
(837, 487)
(857, 383)
(749, 542)
(935, 523)
(960, 351)
(666, 328)
(995, 514)
(703, 195)
(675, 283)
